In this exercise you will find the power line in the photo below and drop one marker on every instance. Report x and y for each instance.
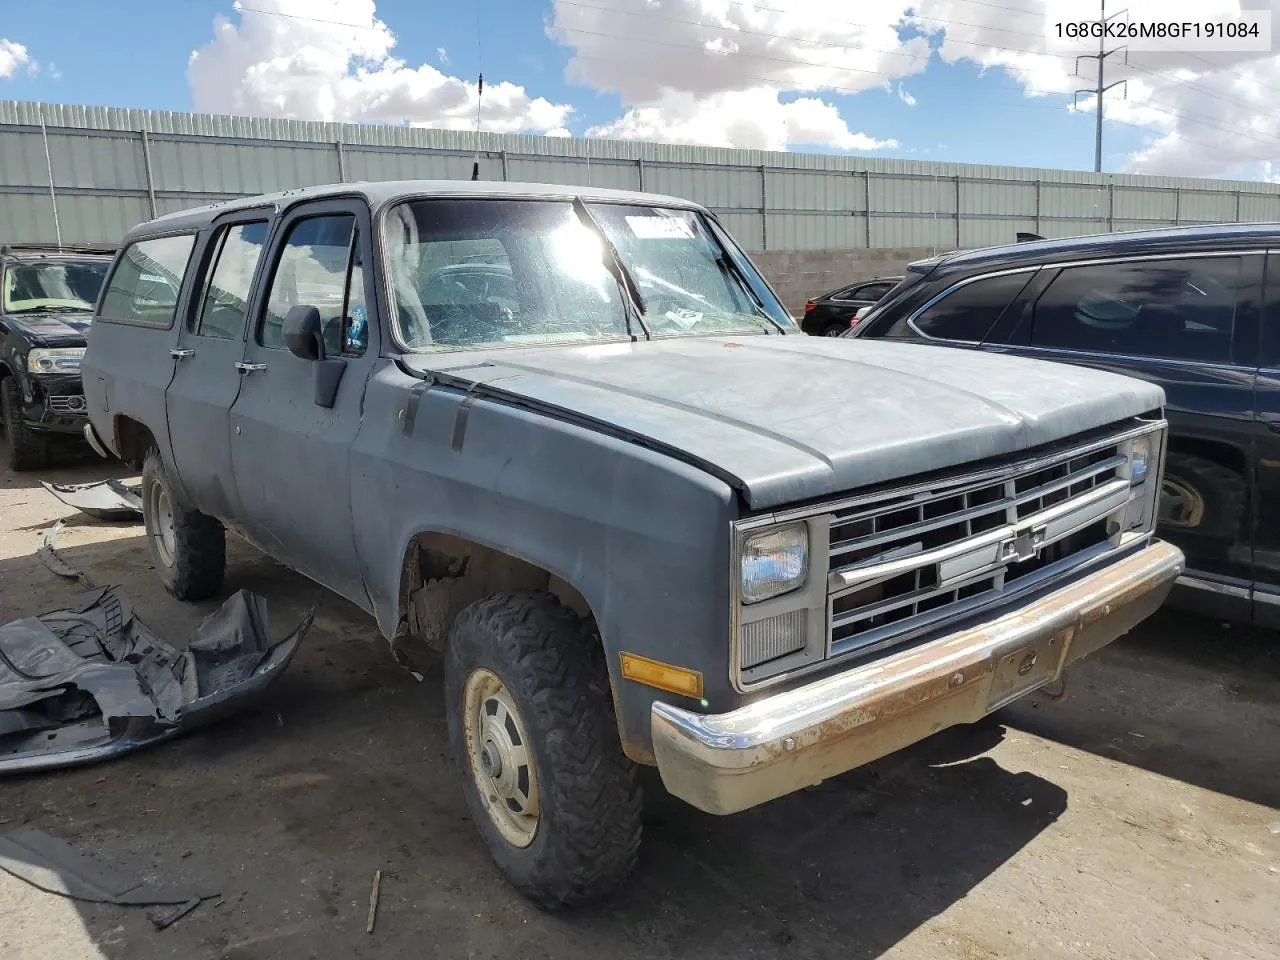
(1011, 104)
(297, 16)
(1175, 111)
(732, 31)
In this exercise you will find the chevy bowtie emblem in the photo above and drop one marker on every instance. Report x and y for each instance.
(1024, 546)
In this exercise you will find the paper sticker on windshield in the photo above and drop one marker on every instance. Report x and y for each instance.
(660, 228)
(683, 318)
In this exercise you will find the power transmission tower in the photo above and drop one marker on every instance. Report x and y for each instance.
(1101, 88)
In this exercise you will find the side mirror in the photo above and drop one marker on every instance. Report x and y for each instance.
(303, 333)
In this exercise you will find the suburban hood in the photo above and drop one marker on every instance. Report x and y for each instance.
(52, 328)
(786, 419)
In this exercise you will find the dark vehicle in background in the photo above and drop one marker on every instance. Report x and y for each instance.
(832, 313)
(1193, 309)
(47, 296)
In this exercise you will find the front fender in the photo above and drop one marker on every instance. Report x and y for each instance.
(641, 536)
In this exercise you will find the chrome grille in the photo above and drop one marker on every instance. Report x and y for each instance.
(72, 403)
(908, 560)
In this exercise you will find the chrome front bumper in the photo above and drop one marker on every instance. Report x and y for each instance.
(724, 763)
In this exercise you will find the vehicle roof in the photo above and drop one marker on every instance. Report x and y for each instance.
(379, 192)
(1165, 239)
(51, 251)
(890, 278)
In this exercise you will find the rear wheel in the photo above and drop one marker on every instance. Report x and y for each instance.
(834, 330)
(27, 449)
(188, 548)
(533, 732)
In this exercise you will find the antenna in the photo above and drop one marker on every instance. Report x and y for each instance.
(475, 161)
(48, 162)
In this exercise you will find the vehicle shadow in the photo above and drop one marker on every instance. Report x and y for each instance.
(343, 768)
(1183, 696)
(71, 463)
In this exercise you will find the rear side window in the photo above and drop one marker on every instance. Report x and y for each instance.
(1170, 309)
(967, 313)
(144, 288)
(873, 291)
(225, 298)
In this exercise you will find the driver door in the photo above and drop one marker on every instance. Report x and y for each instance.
(291, 454)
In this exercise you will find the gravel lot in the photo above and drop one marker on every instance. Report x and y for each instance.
(1136, 818)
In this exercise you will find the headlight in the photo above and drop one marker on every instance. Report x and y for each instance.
(774, 562)
(1139, 459)
(55, 360)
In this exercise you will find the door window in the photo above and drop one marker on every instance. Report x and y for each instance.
(967, 313)
(873, 291)
(225, 299)
(1171, 309)
(319, 266)
(144, 287)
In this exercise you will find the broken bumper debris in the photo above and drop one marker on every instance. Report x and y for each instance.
(90, 681)
(104, 500)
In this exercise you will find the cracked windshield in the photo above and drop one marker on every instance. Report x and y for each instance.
(472, 273)
(67, 285)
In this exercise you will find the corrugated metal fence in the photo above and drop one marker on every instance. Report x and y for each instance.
(111, 168)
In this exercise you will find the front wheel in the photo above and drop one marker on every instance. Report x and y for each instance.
(28, 450)
(534, 736)
(188, 548)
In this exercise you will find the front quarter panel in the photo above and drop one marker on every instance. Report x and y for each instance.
(643, 537)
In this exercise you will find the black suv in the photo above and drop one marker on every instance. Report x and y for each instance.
(47, 296)
(1193, 309)
(832, 314)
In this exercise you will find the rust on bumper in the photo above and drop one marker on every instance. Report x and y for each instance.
(724, 763)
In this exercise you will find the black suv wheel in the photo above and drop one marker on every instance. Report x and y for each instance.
(27, 449)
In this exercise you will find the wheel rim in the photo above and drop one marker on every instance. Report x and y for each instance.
(833, 331)
(501, 763)
(162, 535)
(1180, 504)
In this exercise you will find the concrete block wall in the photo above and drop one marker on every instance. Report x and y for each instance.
(800, 274)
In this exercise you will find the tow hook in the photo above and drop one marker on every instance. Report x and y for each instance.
(1061, 693)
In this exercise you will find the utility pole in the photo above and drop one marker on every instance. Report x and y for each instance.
(1101, 88)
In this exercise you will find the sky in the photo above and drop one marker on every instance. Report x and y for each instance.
(956, 80)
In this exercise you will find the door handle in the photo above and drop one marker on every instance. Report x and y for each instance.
(1273, 425)
(181, 354)
(249, 367)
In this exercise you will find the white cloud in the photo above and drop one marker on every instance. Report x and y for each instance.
(13, 57)
(716, 72)
(906, 97)
(334, 61)
(1207, 114)
(754, 119)
(442, 54)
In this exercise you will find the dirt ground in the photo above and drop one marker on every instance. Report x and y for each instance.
(1136, 818)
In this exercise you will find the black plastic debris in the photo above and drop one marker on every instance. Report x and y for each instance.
(90, 681)
(54, 866)
(108, 500)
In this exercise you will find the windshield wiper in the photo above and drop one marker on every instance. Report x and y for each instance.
(729, 267)
(617, 269)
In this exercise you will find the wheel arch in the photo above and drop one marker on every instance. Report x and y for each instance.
(131, 439)
(1218, 451)
(442, 572)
